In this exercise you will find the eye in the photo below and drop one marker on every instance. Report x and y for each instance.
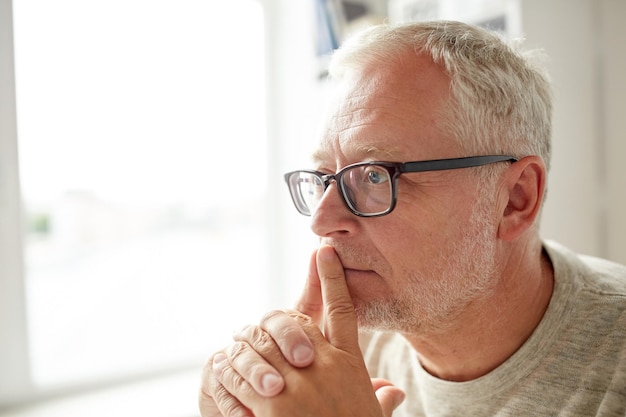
(376, 176)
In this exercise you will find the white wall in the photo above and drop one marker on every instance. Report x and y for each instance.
(584, 40)
(13, 347)
(613, 112)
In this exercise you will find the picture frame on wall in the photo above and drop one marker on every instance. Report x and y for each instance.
(503, 16)
(335, 20)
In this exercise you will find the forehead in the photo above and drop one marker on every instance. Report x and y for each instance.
(393, 113)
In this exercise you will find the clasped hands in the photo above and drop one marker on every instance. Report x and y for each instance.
(292, 365)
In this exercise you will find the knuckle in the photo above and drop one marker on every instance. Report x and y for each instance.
(312, 307)
(250, 367)
(301, 318)
(334, 275)
(340, 308)
(237, 350)
(271, 315)
(207, 370)
(208, 407)
(228, 405)
(263, 342)
(231, 392)
(289, 333)
(286, 326)
(256, 336)
(208, 376)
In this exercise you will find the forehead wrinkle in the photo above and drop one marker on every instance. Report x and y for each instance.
(361, 127)
(361, 152)
(376, 152)
(355, 141)
(319, 156)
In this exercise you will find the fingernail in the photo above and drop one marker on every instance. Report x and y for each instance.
(400, 396)
(272, 384)
(302, 354)
(326, 254)
(237, 333)
(219, 360)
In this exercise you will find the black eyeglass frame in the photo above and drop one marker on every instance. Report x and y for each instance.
(395, 169)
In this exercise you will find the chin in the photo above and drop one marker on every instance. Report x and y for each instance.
(389, 315)
(376, 314)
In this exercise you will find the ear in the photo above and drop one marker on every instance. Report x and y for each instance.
(523, 188)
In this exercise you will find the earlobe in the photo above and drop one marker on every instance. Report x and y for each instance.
(524, 186)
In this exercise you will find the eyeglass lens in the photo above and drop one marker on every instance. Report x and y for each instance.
(367, 189)
(310, 189)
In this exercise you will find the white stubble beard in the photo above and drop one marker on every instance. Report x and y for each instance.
(433, 301)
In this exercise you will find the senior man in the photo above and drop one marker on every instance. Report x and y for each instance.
(426, 193)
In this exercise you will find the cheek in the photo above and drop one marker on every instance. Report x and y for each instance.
(402, 246)
(418, 240)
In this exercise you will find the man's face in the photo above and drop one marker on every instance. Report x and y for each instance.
(419, 266)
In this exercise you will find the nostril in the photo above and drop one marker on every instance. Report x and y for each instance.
(332, 218)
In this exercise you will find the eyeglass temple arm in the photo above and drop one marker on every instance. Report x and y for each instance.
(455, 163)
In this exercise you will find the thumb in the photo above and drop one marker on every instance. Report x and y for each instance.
(340, 326)
(389, 396)
(310, 302)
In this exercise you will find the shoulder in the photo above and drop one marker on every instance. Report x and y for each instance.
(590, 298)
(587, 273)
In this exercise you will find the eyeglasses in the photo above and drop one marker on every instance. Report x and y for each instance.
(369, 189)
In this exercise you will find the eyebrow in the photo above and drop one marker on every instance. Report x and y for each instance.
(366, 151)
(377, 151)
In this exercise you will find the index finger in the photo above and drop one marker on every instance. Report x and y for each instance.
(310, 302)
(340, 326)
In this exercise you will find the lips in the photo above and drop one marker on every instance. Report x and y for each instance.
(354, 263)
(358, 273)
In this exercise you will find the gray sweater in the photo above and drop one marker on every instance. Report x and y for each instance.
(574, 364)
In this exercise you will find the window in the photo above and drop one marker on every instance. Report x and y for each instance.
(143, 171)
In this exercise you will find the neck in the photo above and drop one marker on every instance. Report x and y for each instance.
(491, 329)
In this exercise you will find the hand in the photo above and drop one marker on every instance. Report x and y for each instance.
(335, 384)
(258, 374)
(294, 345)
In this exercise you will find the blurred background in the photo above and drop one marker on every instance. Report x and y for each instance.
(143, 215)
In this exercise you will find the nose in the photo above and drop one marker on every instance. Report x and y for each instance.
(332, 218)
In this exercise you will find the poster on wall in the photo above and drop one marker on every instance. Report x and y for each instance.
(503, 16)
(329, 28)
(335, 20)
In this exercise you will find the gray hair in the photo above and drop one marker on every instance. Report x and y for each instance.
(502, 98)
